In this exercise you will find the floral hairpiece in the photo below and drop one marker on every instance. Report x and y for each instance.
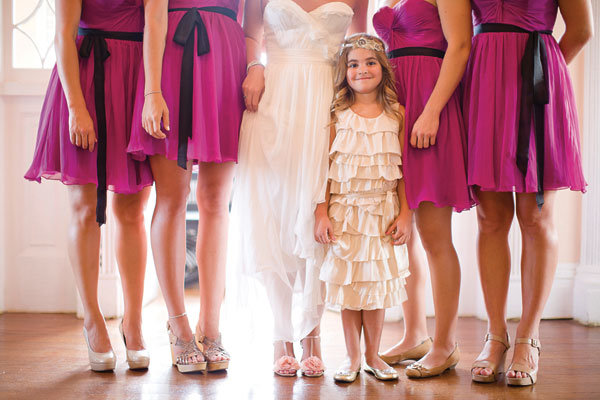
(363, 43)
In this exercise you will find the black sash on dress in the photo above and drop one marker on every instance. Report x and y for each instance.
(416, 51)
(184, 36)
(94, 39)
(534, 96)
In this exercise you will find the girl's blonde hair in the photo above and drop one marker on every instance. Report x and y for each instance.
(386, 91)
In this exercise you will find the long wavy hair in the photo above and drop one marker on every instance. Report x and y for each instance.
(344, 96)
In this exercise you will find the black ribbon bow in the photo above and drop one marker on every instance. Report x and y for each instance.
(184, 36)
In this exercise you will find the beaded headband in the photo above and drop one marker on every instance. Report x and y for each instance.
(363, 43)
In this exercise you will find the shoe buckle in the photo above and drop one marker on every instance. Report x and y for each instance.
(535, 343)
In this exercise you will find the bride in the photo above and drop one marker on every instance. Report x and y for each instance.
(283, 159)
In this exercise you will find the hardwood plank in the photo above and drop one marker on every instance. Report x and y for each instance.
(43, 356)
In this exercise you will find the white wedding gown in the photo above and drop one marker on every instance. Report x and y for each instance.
(283, 161)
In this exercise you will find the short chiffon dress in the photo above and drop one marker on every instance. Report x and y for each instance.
(203, 92)
(362, 269)
(492, 103)
(437, 174)
(55, 157)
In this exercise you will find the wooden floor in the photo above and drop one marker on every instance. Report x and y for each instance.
(43, 356)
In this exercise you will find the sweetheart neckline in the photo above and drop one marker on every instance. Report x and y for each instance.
(314, 9)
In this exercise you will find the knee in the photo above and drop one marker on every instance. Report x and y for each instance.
(213, 199)
(434, 242)
(83, 212)
(172, 203)
(128, 211)
(494, 221)
(534, 222)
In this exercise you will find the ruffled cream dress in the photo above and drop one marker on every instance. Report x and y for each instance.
(363, 270)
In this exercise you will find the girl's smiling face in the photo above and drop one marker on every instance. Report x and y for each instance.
(363, 71)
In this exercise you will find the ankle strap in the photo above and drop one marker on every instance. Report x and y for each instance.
(504, 341)
(178, 316)
(530, 341)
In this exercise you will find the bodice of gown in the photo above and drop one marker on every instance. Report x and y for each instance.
(295, 35)
(533, 15)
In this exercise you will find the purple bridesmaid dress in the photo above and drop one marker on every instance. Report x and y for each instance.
(492, 102)
(436, 174)
(55, 157)
(208, 102)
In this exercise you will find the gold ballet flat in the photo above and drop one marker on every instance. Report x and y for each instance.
(517, 367)
(136, 359)
(100, 362)
(496, 369)
(418, 370)
(388, 374)
(345, 375)
(415, 353)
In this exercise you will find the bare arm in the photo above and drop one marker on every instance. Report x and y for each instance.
(401, 228)
(155, 33)
(323, 227)
(253, 86)
(81, 125)
(359, 21)
(455, 16)
(580, 26)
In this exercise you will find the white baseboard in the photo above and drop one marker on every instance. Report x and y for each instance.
(586, 295)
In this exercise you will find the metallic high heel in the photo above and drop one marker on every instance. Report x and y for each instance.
(136, 359)
(496, 369)
(418, 370)
(189, 350)
(312, 366)
(100, 361)
(531, 377)
(415, 353)
(213, 349)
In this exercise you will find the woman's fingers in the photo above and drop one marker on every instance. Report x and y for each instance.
(166, 120)
(84, 140)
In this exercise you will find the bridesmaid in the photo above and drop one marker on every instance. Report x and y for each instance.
(82, 141)
(429, 43)
(190, 108)
(523, 139)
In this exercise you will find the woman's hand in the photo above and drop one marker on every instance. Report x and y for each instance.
(323, 226)
(81, 128)
(425, 130)
(401, 229)
(253, 87)
(155, 109)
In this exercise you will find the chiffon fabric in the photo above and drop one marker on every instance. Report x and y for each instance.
(283, 160)
(492, 103)
(362, 269)
(55, 157)
(217, 89)
(437, 174)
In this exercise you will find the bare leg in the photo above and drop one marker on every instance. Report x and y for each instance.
(311, 346)
(352, 323)
(84, 253)
(538, 266)
(213, 193)
(435, 228)
(373, 325)
(494, 215)
(131, 250)
(413, 309)
(167, 234)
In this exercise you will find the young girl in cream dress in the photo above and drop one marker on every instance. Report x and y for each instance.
(365, 214)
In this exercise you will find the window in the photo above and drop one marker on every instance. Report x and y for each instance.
(33, 27)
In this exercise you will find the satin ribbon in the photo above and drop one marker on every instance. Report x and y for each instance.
(184, 36)
(95, 40)
(534, 97)
(416, 51)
